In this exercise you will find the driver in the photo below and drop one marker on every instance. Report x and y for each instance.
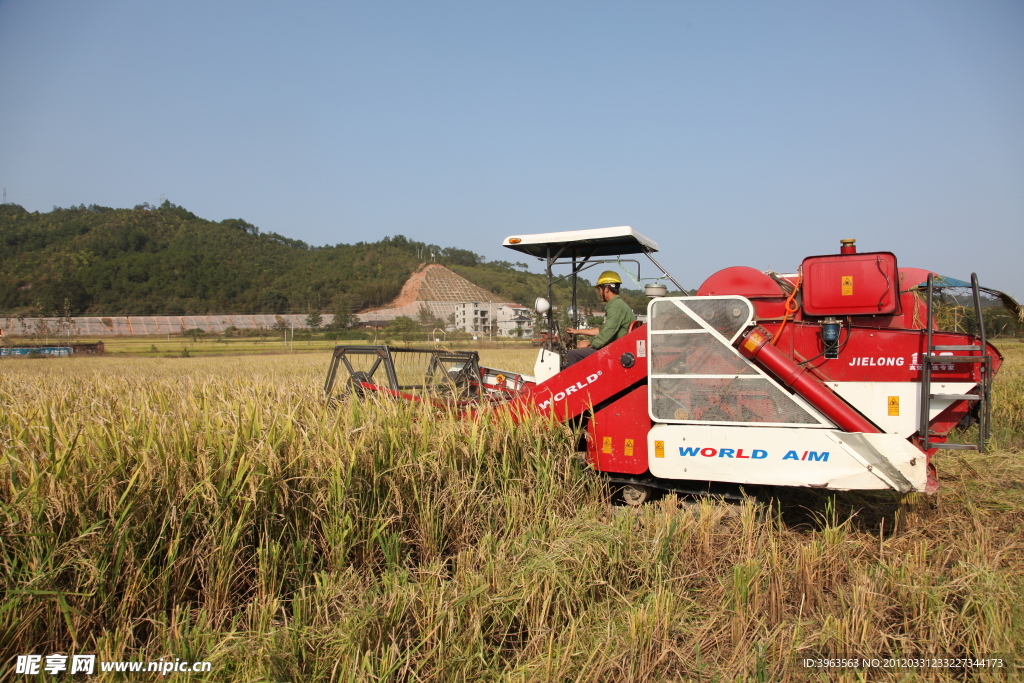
(618, 316)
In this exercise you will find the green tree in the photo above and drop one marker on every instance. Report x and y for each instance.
(427, 319)
(341, 307)
(274, 302)
(314, 320)
(281, 326)
(404, 328)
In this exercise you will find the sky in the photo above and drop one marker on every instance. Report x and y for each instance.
(731, 133)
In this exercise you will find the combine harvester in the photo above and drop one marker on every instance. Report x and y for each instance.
(834, 377)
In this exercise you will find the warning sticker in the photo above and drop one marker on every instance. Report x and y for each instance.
(629, 447)
(894, 406)
(847, 285)
(659, 449)
(606, 444)
(641, 348)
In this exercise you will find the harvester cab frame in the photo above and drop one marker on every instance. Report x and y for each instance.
(581, 250)
(834, 377)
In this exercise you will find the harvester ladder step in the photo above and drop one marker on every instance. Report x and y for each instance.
(930, 358)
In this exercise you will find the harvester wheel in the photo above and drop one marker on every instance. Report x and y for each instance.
(636, 494)
(354, 383)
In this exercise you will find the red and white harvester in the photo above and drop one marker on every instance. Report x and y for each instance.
(834, 377)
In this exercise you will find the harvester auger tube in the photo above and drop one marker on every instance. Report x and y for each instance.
(754, 345)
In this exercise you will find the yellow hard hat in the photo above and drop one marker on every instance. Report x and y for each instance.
(609, 277)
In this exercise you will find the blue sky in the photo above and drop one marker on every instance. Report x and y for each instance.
(732, 133)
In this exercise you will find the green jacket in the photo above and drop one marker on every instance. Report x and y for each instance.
(618, 316)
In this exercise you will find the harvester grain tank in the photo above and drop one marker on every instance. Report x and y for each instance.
(833, 377)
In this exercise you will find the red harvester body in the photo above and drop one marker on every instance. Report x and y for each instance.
(832, 377)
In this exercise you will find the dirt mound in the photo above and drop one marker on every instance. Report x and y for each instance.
(435, 283)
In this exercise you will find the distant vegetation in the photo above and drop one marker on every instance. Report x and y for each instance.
(165, 260)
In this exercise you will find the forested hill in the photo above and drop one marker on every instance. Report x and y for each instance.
(166, 260)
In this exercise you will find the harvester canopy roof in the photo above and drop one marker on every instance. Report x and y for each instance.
(583, 244)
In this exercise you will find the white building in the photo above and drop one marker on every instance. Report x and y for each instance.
(494, 319)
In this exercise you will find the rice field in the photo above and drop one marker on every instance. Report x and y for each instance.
(216, 509)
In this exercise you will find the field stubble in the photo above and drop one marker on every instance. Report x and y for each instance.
(217, 509)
